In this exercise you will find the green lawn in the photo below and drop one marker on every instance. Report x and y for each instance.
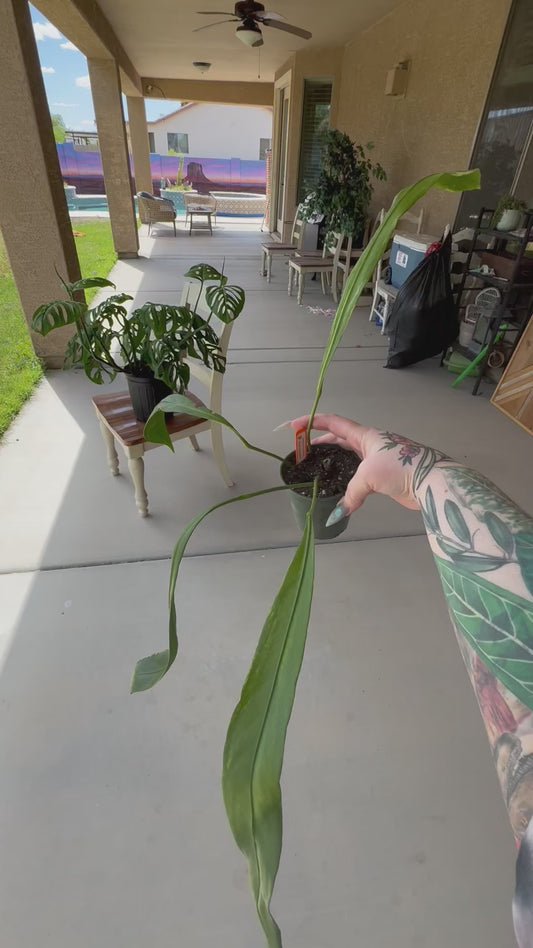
(20, 370)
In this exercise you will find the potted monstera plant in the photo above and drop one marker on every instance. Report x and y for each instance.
(255, 742)
(148, 345)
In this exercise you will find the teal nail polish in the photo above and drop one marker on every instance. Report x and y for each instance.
(335, 516)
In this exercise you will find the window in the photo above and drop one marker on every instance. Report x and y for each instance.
(151, 142)
(265, 144)
(178, 142)
(315, 122)
(506, 128)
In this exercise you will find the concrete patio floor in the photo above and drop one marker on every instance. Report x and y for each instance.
(112, 825)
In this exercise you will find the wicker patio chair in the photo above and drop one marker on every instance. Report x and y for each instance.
(154, 210)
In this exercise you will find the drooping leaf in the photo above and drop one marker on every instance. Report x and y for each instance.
(450, 547)
(365, 266)
(88, 283)
(205, 272)
(255, 742)
(226, 302)
(51, 316)
(524, 554)
(430, 511)
(500, 532)
(457, 521)
(497, 623)
(148, 671)
(155, 429)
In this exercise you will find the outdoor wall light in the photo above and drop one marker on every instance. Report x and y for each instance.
(396, 83)
(249, 33)
(202, 67)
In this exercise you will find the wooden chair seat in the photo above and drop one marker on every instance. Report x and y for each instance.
(116, 411)
(324, 264)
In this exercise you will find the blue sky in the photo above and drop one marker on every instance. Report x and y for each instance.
(66, 78)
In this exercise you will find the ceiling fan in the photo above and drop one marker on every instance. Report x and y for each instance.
(251, 15)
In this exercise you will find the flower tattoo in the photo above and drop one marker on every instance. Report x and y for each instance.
(408, 449)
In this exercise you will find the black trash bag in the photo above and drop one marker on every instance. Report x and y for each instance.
(423, 321)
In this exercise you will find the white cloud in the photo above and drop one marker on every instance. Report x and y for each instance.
(65, 105)
(48, 70)
(87, 123)
(69, 45)
(46, 30)
(83, 82)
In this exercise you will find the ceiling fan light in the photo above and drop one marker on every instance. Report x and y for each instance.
(249, 34)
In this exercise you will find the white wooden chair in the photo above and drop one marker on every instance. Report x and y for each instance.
(385, 291)
(119, 425)
(274, 248)
(348, 257)
(324, 264)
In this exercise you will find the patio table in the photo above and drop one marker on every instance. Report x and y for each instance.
(199, 210)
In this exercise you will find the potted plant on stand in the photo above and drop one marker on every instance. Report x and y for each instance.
(508, 213)
(150, 344)
(254, 747)
(344, 187)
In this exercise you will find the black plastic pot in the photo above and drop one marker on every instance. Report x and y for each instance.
(300, 504)
(145, 393)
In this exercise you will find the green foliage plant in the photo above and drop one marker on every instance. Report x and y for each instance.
(344, 188)
(507, 202)
(255, 741)
(151, 341)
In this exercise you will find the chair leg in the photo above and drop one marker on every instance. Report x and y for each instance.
(269, 267)
(386, 313)
(301, 278)
(218, 454)
(112, 456)
(194, 442)
(136, 466)
(174, 222)
(291, 277)
(262, 269)
(149, 227)
(373, 308)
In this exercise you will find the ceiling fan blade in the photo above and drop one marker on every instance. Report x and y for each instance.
(209, 25)
(287, 28)
(214, 13)
(268, 16)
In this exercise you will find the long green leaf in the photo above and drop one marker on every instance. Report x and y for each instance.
(497, 623)
(155, 429)
(365, 266)
(255, 742)
(148, 671)
(88, 283)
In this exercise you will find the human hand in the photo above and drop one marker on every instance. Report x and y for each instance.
(390, 462)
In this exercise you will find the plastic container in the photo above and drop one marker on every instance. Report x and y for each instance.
(407, 251)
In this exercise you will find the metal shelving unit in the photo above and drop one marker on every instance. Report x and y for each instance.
(514, 309)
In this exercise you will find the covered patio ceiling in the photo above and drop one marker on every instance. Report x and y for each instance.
(159, 41)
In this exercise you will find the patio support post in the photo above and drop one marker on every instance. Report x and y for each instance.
(140, 148)
(106, 93)
(34, 216)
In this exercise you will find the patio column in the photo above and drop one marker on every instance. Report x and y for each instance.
(106, 93)
(140, 148)
(34, 217)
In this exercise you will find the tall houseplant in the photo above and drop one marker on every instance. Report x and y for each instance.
(148, 345)
(344, 187)
(254, 747)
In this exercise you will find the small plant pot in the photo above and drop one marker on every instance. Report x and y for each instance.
(145, 393)
(509, 220)
(325, 502)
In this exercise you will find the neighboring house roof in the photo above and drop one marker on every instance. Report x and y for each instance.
(191, 105)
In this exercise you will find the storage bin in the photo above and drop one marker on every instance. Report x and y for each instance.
(407, 251)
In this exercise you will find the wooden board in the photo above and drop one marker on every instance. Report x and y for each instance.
(514, 393)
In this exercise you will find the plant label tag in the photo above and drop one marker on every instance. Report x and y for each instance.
(300, 444)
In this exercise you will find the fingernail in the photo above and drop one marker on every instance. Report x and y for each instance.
(285, 424)
(338, 514)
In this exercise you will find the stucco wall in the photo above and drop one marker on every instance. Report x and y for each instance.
(452, 47)
(217, 131)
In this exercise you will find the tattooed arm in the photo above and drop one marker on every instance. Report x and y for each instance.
(483, 547)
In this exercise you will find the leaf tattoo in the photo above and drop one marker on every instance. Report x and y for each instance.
(456, 521)
(499, 532)
(496, 622)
